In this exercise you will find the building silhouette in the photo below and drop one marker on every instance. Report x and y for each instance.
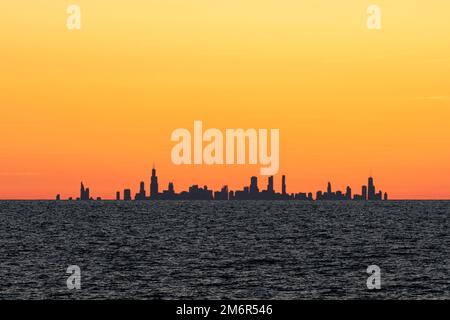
(364, 192)
(127, 195)
(348, 193)
(197, 193)
(223, 194)
(254, 190)
(154, 185)
(283, 185)
(270, 185)
(370, 189)
(250, 192)
(141, 194)
(84, 193)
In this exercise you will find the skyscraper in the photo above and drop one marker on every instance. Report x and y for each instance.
(254, 185)
(224, 193)
(364, 192)
(379, 195)
(82, 192)
(270, 185)
(348, 193)
(127, 195)
(329, 188)
(141, 195)
(370, 189)
(153, 185)
(283, 185)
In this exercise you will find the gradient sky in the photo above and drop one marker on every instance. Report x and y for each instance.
(99, 104)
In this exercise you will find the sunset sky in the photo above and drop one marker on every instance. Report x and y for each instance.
(99, 104)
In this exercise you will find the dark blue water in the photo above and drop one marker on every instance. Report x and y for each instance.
(215, 250)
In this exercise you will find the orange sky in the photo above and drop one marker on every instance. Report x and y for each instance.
(99, 104)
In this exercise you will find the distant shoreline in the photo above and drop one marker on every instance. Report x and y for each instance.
(235, 200)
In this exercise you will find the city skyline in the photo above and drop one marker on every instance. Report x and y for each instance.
(249, 192)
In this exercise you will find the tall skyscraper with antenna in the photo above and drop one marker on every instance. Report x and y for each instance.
(154, 184)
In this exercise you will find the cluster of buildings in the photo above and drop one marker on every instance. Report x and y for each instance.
(84, 194)
(367, 193)
(250, 192)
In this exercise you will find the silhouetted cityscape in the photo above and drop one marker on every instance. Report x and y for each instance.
(250, 192)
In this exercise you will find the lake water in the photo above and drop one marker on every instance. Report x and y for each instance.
(217, 250)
